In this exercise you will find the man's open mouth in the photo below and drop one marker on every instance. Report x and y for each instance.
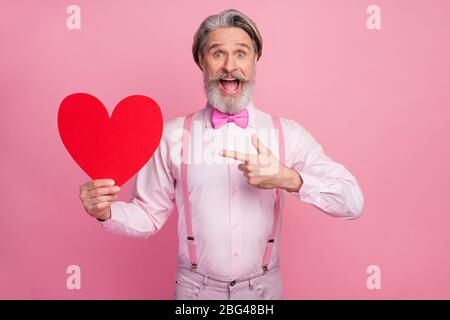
(230, 86)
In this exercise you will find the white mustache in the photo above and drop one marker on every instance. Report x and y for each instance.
(223, 75)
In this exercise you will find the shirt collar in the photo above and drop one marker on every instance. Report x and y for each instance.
(209, 109)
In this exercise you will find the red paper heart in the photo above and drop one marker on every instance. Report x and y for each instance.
(113, 148)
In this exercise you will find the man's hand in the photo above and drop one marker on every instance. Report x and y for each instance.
(264, 170)
(97, 196)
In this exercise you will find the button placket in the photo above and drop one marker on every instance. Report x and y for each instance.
(235, 210)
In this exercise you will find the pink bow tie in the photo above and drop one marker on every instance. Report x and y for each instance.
(218, 118)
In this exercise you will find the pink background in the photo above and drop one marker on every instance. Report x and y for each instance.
(378, 102)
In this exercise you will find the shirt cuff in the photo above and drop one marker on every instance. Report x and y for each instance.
(114, 220)
(309, 188)
(311, 192)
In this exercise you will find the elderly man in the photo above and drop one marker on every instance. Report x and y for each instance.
(226, 168)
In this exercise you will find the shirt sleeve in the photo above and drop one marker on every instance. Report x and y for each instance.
(152, 202)
(327, 184)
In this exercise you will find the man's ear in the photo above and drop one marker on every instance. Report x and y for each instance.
(201, 62)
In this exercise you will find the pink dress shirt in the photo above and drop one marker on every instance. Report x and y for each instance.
(231, 220)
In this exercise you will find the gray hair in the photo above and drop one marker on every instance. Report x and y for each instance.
(225, 19)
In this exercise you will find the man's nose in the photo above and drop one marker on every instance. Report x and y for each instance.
(230, 64)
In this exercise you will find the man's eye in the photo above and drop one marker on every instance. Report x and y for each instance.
(241, 53)
(218, 54)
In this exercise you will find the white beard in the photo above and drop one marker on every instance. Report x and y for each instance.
(229, 104)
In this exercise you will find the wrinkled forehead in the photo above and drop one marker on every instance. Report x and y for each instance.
(228, 37)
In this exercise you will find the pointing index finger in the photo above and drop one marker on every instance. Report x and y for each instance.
(244, 157)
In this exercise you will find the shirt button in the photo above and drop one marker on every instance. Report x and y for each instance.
(235, 254)
(234, 191)
(235, 225)
(232, 283)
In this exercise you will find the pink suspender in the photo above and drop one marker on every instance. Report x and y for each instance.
(187, 205)
(276, 216)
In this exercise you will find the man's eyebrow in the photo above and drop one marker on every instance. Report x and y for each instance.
(215, 45)
(243, 45)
